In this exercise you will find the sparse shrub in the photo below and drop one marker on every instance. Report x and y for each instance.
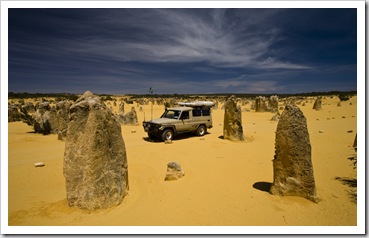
(72, 97)
(166, 105)
(344, 97)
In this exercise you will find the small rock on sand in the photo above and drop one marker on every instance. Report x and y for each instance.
(174, 171)
(39, 164)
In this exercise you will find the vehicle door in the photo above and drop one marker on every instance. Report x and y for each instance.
(184, 124)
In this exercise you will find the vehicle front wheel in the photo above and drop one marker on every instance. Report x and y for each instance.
(167, 135)
(201, 130)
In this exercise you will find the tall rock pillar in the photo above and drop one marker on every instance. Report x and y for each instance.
(95, 161)
(232, 129)
(293, 168)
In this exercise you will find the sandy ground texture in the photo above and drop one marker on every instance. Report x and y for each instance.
(225, 184)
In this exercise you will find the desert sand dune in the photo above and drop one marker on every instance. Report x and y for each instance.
(225, 182)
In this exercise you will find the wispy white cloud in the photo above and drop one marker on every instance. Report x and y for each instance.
(177, 36)
(248, 84)
(272, 63)
(193, 50)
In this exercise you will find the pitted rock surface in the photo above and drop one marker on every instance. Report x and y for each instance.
(129, 118)
(62, 115)
(260, 104)
(29, 107)
(13, 113)
(232, 126)
(174, 171)
(95, 160)
(273, 103)
(292, 164)
(42, 121)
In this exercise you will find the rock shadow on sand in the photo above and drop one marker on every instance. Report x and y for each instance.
(246, 139)
(262, 186)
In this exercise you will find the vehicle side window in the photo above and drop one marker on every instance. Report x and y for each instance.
(176, 114)
(171, 114)
(196, 112)
(206, 112)
(185, 115)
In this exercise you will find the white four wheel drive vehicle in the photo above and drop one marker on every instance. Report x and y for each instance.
(187, 117)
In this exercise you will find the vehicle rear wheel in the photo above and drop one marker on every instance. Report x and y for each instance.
(201, 130)
(167, 135)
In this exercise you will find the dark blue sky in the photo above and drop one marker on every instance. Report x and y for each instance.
(121, 51)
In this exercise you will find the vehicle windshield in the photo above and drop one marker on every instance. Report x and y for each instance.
(173, 114)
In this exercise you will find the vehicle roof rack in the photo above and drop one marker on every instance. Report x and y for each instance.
(196, 104)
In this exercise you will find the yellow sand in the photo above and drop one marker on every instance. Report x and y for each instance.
(220, 175)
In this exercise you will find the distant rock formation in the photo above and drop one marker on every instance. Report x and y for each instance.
(21, 102)
(159, 101)
(318, 104)
(293, 169)
(273, 103)
(232, 126)
(130, 118)
(170, 103)
(174, 171)
(29, 107)
(13, 113)
(216, 105)
(260, 104)
(53, 120)
(95, 161)
(339, 104)
(41, 117)
(121, 107)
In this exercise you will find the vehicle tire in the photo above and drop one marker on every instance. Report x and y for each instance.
(167, 135)
(201, 130)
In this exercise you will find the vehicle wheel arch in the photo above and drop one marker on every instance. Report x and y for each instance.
(164, 135)
(199, 131)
